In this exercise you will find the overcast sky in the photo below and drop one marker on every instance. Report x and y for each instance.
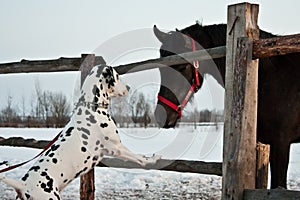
(49, 29)
(35, 29)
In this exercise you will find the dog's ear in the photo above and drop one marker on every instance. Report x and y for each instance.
(108, 74)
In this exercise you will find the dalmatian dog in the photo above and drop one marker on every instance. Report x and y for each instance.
(90, 135)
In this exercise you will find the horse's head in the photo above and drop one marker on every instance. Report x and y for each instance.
(178, 82)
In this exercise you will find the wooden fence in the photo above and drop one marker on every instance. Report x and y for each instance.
(84, 64)
(242, 51)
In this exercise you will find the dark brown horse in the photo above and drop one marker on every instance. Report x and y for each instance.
(278, 120)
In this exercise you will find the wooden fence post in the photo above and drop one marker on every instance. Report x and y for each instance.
(239, 151)
(262, 165)
(87, 186)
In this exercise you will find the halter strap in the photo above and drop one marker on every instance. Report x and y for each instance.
(196, 66)
(194, 88)
(172, 105)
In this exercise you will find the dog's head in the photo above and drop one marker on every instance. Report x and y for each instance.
(112, 83)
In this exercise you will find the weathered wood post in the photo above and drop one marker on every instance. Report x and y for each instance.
(87, 186)
(262, 165)
(239, 151)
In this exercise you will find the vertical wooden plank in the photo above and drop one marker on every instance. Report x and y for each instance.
(87, 63)
(262, 165)
(87, 186)
(239, 150)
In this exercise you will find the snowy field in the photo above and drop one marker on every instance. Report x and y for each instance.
(203, 143)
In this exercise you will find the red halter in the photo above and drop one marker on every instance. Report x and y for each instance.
(194, 88)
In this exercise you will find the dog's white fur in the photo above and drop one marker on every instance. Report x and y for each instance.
(90, 134)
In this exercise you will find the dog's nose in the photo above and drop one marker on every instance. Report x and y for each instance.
(128, 87)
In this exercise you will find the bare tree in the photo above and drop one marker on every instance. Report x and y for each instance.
(140, 110)
(43, 102)
(23, 107)
(50, 108)
(8, 113)
(119, 108)
(59, 108)
(205, 116)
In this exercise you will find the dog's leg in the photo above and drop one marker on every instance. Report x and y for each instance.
(124, 153)
(17, 185)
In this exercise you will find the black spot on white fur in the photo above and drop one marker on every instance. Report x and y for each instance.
(84, 136)
(95, 158)
(85, 130)
(109, 77)
(83, 149)
(55, 147)
(27, 195)
(25, 177)
(69, 131)
(96, 91)
(48, 186)
(57, 196)
(91, 119)
(104, 125)
(79, 111)
(34, 168)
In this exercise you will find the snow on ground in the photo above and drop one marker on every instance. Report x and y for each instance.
(204, 143)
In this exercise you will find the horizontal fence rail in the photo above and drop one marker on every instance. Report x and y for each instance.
(213, 168)
(184, 58)
(58, 65)
(262, 48)
(276, 46)
(259, 194)
(73, 64)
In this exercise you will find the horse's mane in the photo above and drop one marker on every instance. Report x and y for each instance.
(216, 33)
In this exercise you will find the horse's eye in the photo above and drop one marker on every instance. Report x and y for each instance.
(181, 68)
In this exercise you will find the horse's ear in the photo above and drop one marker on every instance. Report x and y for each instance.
(161, 36)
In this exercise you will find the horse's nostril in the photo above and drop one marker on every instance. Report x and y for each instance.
(128, 87)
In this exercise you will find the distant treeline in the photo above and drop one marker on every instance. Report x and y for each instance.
(47, 109)
(51, 109)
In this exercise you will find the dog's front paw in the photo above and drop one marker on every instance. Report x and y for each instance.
(153, 159)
